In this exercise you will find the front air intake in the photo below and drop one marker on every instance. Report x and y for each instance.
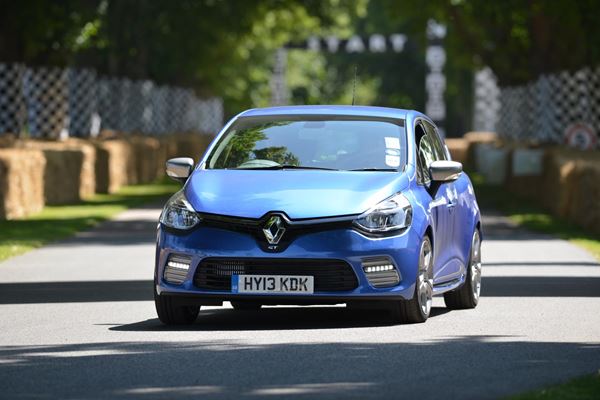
(176, 269)
(380, 272)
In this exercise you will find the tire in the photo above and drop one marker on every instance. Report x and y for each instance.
(467, 296)
(172, 314)
(245, 306)
(417, 309)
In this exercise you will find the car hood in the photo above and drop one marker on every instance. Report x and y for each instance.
(297, 193)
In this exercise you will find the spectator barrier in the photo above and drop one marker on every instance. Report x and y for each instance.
(55, 103)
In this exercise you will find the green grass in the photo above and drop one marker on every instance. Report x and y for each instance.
(58, 222)
(583, 388)
(531, 216)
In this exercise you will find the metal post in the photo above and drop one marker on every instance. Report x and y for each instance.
(435, 81)
(279, 90)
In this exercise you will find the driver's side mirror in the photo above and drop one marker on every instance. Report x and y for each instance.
(180, 168)
(445, 171)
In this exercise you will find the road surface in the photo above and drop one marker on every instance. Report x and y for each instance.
(77, 321)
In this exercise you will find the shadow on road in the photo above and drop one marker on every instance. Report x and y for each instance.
(452, 367)
(276, 318)
(540, 286)
(543, 264)
(116, 233)
(96, 291)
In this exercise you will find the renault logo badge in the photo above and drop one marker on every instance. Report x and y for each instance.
(274, 229)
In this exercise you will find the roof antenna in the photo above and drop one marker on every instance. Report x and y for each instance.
(354, 84)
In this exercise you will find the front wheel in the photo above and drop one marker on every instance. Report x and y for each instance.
(467, 296)
(170, 313)
(417, 309)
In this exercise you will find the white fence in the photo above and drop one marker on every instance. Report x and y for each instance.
(53, 102)
(541, 110)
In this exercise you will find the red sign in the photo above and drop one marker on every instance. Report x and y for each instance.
(581, 135)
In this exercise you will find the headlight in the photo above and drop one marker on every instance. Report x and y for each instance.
(179, 213)
(391, 214)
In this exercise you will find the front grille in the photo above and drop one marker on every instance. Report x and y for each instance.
(329, 275)
(293, 228)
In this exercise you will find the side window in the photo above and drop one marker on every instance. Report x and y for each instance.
(425, 154)
(436, 141)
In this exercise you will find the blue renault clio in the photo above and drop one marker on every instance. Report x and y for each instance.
(320, 205)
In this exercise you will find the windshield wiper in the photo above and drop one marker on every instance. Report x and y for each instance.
(288, 166)
(375, 169)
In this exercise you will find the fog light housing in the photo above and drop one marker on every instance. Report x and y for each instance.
(177, 268)
(380, 272)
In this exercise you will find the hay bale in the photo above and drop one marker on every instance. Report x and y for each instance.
(7, 140)
(115, 165)
(584, 205)
(146, 154)
(475, 140)
(557, 182)
(101, 168)
(21, 182)
(85, 182)
(62, 176)
(459, 149)
(481, 137)
(192, 145)
(167, 150)
(88, 167)
(571, 186)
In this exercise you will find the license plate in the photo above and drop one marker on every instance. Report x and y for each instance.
(272, 284)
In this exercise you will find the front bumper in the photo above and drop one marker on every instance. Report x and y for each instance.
(339, 244)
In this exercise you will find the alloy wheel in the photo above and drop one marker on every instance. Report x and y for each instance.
(425, 278)
(475, 266)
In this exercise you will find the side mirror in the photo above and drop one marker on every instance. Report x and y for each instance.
(180, 168)
(445, 171)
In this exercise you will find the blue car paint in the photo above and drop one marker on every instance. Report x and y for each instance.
(299, 193)
(450, 217)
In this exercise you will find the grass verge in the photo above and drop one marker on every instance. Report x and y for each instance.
(583, 388)
(58, 222)
(525, 213)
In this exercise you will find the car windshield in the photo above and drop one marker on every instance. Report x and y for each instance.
(334, 143)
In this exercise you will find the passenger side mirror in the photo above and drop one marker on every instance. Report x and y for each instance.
(180, 168)
(445, 171)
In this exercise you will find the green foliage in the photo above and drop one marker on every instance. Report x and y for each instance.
(518, 39)
(222, 48)
(239, 149)
(280, 155)
(226, 47)
(42, 32)
(583, 388)
(242, 148)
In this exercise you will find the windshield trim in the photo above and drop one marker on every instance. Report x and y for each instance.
(400, 122)
(320, 117)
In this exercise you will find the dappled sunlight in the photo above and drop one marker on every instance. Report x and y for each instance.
(314, 388)
(225, 369)
(171, 391)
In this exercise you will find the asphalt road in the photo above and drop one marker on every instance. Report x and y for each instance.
(77, 321)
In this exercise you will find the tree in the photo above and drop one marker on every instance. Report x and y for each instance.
(222, 48)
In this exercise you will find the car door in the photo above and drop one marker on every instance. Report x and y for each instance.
(438, 206)
(452, 265)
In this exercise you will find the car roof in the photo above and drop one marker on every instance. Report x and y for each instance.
(366, 111)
